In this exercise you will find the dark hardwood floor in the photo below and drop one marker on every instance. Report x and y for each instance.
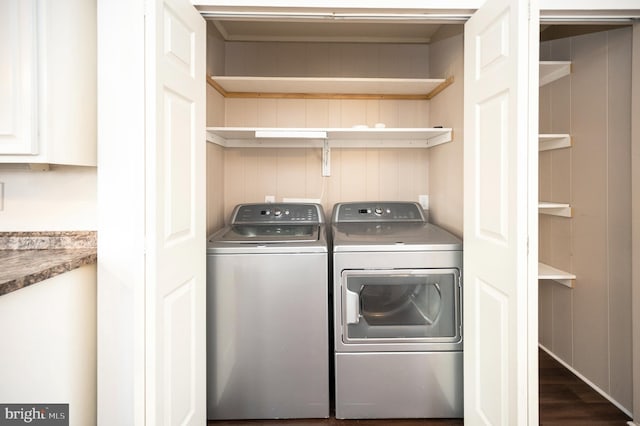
(564, 400)
(567, 400)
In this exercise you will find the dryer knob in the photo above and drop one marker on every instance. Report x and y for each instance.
(277, 212)
(378, 211)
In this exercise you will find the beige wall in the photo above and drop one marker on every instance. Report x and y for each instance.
(446, 174)
(248, 174)
(215, 188)
(279, 59)
(589, 327)
(356, 174)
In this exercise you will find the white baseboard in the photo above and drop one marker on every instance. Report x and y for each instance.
(589, 382)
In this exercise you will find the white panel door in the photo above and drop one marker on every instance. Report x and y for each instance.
(500, 188)
(175, 217)
(18, 78)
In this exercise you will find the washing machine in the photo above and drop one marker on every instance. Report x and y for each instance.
(397, 313)
(267, 314)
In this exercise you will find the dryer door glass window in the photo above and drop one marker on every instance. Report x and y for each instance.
(401, 305)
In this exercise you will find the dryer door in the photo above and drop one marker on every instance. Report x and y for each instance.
(398, 305)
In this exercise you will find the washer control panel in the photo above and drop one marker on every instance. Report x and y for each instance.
(278, 212)
(391, 211)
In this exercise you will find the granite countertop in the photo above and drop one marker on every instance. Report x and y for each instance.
(30, 257)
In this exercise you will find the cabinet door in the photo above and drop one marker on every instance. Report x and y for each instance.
(500, 217)
(18, 84)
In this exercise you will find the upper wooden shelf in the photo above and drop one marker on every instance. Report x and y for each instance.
(328, 87)
(269, 137)
(553, 70)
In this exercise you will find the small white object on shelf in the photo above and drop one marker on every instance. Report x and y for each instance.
(547, 272)
(551, 71)
(547, 142)
(290, 134)
(555, 209)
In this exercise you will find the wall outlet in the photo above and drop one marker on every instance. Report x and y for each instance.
(424, 201)
(269, 198)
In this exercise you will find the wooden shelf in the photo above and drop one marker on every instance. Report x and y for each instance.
(553, 70)
(547, 272)
(555, 209)
(547, 142)
(328, 87)
(268, 137)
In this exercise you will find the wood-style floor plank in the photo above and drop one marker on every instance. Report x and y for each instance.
(565, 400)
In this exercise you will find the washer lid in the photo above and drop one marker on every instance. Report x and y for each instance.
(255, 234)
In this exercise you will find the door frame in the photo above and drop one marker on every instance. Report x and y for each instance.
(635, 219)
(121, 242)
(121, 212)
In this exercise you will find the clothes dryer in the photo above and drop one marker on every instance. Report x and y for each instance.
(397, 313)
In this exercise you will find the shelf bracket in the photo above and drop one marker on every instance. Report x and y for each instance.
(326, 158)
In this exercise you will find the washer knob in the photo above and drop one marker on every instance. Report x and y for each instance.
(277, 212)
(378, 211)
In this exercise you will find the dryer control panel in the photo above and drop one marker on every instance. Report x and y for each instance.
(391, 211)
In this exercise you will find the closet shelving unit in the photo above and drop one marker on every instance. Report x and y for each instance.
(328, 88)
(551, 71)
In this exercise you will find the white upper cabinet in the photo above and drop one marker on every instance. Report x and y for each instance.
(17, 77)
(48, 84)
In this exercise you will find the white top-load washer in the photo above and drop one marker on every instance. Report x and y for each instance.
(267, 314)
(397, 313)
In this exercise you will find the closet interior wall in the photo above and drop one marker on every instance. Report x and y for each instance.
(446, 173)
(215, 117)
(589, 327)
(240, 175)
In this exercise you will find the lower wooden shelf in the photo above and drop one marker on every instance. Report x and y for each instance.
(547, 272)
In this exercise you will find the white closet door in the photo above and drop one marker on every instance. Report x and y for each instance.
(500, 306)
(175, 217)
